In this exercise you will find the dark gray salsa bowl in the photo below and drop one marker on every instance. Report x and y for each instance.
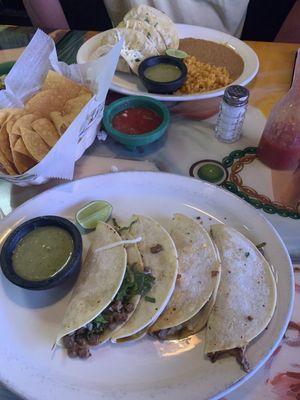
(71, 267)
(162, 87)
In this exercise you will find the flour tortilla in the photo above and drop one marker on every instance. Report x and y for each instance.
(159, 20)
(106, 41)
(148, 30)
(99, 281)
(163, 266)
(136, 48)
(246, 297)
(199, 273)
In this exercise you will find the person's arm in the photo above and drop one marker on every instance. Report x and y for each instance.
(46, 14)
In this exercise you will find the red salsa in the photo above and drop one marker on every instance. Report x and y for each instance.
(135, 121)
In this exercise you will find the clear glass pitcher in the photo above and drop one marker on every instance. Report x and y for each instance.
(279, 146)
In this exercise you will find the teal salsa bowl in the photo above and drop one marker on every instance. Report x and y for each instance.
(131, 141)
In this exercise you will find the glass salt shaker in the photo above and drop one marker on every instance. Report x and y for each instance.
(232, 114)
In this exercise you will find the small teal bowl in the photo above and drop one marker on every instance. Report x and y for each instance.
(131, 142)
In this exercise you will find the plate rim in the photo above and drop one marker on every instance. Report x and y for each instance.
(259, 365)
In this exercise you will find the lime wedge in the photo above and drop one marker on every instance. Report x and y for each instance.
(89, 215)
(176, 53)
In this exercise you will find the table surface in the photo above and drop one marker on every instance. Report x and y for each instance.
(189, 143)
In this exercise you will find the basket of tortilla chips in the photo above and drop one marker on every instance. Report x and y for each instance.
(50, 117)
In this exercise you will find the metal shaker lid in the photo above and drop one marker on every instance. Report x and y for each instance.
(236, 95)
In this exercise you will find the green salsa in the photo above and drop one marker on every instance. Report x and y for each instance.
(163, 72)
(42, 253)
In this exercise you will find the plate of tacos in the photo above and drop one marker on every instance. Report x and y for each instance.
(213, 59)
(183, 290)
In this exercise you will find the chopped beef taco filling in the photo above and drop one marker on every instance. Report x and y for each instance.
(164, 334)
(238, 353)
(135, 283)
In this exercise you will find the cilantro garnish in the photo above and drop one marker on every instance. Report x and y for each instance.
(122, 228)
(100, 319)
(135, 282)
(261, 245)
(150, 299)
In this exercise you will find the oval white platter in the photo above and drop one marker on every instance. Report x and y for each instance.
(146, 369)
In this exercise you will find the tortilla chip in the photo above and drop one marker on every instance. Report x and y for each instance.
(61, 122)
(10, 113)
(5, 116)
(14, 113)
(47, 131)
(84, 90)
(22, 162)
(22, 121)
(75, 105)
(60, 82)
(20, 147)
(10, 124)
(7, 165)
(34, 144)
(46, 101)
(9, 116)
(4, 139)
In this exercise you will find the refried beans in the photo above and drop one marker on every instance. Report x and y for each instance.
(217, 54)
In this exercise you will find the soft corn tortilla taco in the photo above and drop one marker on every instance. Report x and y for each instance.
(246, 297)
(99, 281)
(190, 327)
(160, 260)
(107, 292)
(134, 273)
(198, 280)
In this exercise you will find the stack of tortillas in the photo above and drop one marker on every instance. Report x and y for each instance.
(28, 134)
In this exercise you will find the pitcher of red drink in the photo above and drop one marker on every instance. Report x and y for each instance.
(279, 146)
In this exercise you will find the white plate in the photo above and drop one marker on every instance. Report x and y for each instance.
(130, 84)
(146, 369)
